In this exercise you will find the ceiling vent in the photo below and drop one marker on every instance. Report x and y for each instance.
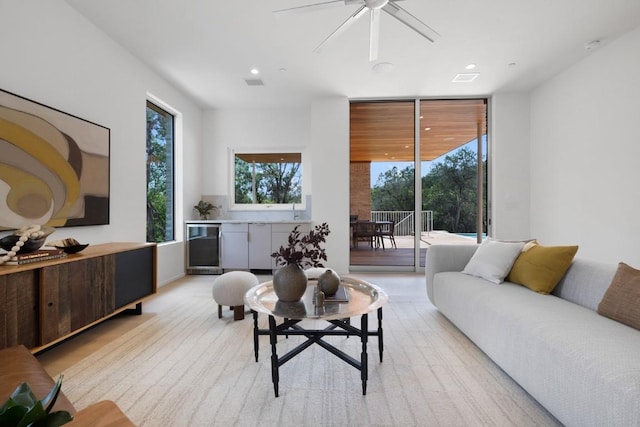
(465, 77)
(254, 82)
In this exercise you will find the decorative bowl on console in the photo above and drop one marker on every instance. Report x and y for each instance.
(69, 245)
(30, 245)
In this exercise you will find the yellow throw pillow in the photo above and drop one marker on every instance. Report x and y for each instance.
(540, 268)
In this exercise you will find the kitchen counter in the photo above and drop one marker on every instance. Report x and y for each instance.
(215, 245)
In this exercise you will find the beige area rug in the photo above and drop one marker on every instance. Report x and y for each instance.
(186, 367)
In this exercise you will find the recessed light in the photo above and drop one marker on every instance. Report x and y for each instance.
(470, 66)
(421, 117)
(255, 71)
(427, 128)
(449, 138)
(465, 77)
(406, 146)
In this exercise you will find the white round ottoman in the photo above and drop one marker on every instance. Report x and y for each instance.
(229, 290)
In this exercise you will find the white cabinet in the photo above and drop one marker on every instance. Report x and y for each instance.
(280, 236)
(248, 246)
(260, 246)
(235, 246)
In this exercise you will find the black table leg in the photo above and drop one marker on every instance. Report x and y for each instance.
(364, 334)
(380, 342)
(274, 354)
(315, 336)
(255, 333)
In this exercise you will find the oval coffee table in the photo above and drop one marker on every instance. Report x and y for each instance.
(361, 299)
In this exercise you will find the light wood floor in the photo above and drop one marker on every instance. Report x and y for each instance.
(60, 357)
(400, 286)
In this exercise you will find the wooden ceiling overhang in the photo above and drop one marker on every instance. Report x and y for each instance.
(384, 131)
(270, 157)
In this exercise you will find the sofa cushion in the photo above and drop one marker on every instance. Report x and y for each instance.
(585, 282)
(581, 366)
(540, 268)
(621, 302)
(493, 260)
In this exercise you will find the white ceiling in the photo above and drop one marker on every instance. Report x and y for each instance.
(207, 47)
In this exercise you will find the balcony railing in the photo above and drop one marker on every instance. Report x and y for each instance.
(404, 220)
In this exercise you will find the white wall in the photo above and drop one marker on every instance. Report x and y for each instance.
(509, 174)
(52, 55)
(321, 131)
(248, 128)
(585, 146)
(330, 136)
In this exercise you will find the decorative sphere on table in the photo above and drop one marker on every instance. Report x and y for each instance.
(329, 282)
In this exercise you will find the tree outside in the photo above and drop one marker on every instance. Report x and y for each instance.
(159, 180)
(449, 190)
(275, 183)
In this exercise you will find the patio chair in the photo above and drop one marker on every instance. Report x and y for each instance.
(386, 229)
(365, 231)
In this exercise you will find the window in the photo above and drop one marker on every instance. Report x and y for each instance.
(267, 179)
(160, 174)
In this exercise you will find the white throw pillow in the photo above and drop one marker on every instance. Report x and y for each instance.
(493, 260)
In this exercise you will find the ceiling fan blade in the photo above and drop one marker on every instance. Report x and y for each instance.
(343, 27)
(374, 34)
(411, 21)
(317, 6)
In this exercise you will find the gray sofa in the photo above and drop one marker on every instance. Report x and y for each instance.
(582, 367)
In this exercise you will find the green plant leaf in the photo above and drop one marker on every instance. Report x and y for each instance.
(54, 419)
(11, 416)
(23, 396)
(34, 414)
(50, 399)
(7, 405)
(23, 409)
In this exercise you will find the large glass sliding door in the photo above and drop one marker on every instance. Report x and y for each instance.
(444, 143)
(453, 147)
(382, 183)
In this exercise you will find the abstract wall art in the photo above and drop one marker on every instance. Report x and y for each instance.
(54, 167)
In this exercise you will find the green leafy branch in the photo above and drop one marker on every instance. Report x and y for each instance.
(23, 409)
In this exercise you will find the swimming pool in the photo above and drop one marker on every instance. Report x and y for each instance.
(471, 235)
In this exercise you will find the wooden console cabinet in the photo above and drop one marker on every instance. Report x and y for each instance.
(45, 302)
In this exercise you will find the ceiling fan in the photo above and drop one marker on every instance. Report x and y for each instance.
(373, 7)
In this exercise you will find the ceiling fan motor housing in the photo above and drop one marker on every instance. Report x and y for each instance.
(376, 4)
